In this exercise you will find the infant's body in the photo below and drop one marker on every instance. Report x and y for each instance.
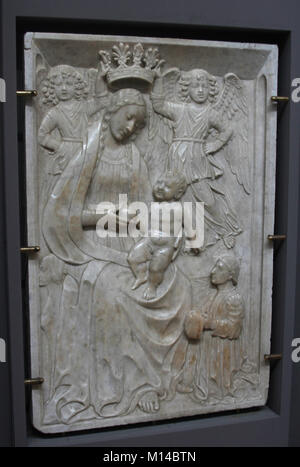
(150, 256)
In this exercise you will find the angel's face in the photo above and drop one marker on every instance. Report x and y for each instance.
(199, 88)
(64, 87)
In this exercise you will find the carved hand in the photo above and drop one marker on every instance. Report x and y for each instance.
(193, 324)
(191, 251)
(208, 324)
(100, 86)
(50, 143)
(158, 86)
(210, 148)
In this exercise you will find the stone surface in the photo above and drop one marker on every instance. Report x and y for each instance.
(150, 326)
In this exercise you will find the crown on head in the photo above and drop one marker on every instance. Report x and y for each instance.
(124, 63)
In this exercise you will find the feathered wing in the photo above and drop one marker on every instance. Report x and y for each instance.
(41, 71)
(232, 108)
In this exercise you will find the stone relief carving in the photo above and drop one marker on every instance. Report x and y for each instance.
(134, 322)
(221, 355)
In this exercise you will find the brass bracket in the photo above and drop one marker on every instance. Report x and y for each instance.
(33, 381)
(271, 357)
(27, 93)
(30, 249)
(277, 240)
(279, 99)
(276, 237)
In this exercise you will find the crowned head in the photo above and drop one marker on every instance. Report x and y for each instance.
(126, 114)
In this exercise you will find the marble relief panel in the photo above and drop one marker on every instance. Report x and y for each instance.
(150, 191)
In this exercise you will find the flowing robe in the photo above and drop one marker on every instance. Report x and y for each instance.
(111, 345)
(220, 349)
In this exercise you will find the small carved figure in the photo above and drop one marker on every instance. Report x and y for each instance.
(66, 91)
(220, 350)
(226, 321)
(150, 256)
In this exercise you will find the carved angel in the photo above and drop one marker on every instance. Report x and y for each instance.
(204, 120)
(63, 127)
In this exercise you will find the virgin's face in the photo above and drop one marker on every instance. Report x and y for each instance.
(199, 88)
(126, 121)
(220, 273)
(64, 87)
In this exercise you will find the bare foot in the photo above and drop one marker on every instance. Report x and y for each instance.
(150, 292)
(139, 281)
(149, 402)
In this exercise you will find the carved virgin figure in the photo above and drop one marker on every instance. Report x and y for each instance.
(109, 164)
(124, 355)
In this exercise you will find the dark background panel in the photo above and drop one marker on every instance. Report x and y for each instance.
(5, 409)
(295, 397)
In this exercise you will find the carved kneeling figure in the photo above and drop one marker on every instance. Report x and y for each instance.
(223, 316)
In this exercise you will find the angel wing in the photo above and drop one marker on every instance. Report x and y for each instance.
(170, 81)
(232, 106)
(41, 71)
(90, 76)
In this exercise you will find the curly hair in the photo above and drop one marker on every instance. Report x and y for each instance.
(66, 72)
(186, 79)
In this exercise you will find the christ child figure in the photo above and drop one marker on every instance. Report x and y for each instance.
(150, 257)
